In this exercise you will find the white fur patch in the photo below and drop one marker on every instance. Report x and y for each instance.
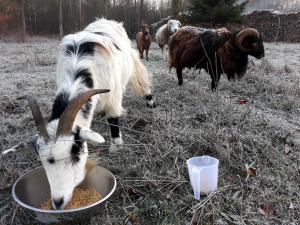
(91, 136)
(151, 102)
(116, 143)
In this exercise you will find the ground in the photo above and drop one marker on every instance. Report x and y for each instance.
(153, 186)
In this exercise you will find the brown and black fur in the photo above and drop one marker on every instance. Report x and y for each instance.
(143, 41)
(212, 50)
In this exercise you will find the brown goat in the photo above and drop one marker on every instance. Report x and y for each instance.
(143, 41)
(216, 51)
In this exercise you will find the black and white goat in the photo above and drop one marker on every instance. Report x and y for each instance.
(97, 60)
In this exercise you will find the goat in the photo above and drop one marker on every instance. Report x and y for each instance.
(96, 60)
(143, 41)
(216, 51)
(164, 32)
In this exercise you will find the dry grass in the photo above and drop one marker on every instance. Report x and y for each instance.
(153, 185)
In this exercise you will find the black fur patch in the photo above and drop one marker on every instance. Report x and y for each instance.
(86, 48)
(51, 160)
(77, 147)
(148, 97)
(60, 103)
(114, 127)
(58, 202)
(99, 33)
(70, 49)
(117, 47)
(86, 77)
(86, 109)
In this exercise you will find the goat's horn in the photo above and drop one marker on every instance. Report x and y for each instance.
(67, 118)
(37, 117)
(240, 37)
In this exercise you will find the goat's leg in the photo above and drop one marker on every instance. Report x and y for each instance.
(113, 110)
(147, 50)
(179, 76)
(215, 81)
(141, 53)
(116, 135)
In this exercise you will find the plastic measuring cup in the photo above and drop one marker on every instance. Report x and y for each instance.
(203, 172)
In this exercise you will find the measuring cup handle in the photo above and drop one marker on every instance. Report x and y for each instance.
(196, 172)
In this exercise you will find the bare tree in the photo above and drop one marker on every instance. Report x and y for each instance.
(60, 21)
(176, 7)
(106, 8)
(80, 14)
(23, 21)
(142, 10)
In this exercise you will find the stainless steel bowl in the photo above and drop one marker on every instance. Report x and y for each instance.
(32, 189)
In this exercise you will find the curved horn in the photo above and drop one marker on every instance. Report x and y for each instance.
(67, 118)
(240, 37)
(37, 117)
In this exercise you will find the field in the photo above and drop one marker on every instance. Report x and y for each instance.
(153, 186)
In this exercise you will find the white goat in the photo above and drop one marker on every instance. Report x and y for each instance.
(96, 60)
(164, 32)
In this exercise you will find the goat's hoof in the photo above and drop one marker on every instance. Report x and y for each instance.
(116, 144)
(151, 104)
(180, 82)
(114, 148)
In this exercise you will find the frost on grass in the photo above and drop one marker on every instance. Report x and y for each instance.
(153, 186)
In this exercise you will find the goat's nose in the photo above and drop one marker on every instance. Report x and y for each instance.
(58, 202)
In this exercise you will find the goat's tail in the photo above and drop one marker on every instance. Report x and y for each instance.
(140, 80)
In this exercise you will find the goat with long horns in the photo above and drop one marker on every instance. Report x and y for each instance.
(98, 60)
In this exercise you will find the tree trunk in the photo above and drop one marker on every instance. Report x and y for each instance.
(80, 14)
(23, 21)
(176, 8)
(136, 14)
(142, 11)
(106, 8)
(60, 21)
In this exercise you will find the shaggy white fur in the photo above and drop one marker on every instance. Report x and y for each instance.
(164, 32)
(112, 64)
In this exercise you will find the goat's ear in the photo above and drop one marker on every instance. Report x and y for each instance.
(91, 136)
(24, 146)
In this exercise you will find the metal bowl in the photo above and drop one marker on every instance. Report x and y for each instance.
(33, 188)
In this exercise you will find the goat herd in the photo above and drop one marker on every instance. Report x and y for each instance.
(217, 51)
(93, 69)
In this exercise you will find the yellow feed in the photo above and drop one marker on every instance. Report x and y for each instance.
(80, 198)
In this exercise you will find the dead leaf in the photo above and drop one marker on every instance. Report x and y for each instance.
(195, 219)
(132, 192)
(132, 219)
(152, 185)
(242, 101)
(266, 210)
(251, 171)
